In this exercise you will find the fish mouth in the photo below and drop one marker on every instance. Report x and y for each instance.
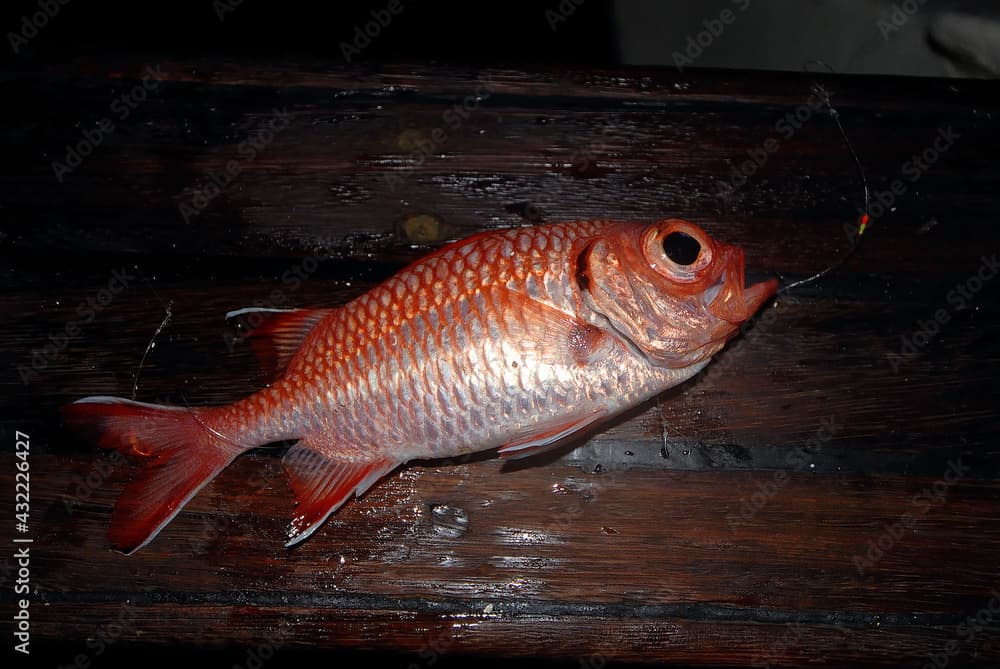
(730, 299)
(757, 294)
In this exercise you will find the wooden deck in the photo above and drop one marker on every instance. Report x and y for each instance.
(826, 493)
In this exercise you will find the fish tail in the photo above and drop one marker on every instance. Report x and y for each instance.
(181, 453)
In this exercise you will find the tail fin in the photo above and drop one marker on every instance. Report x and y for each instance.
(182, 454)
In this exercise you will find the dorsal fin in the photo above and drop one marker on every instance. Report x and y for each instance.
(276, 334)
(322, 483)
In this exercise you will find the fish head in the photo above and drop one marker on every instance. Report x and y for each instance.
(674, 292)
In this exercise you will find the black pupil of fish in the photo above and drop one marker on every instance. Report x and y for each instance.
(682, 248)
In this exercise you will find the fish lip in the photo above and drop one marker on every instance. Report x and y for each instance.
(756, 295)
(728, 299)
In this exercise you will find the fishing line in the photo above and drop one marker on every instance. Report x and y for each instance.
(187, 407)
(168, 308)
(865, 218)
(151, 344)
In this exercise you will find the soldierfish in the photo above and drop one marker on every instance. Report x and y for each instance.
(514, 339)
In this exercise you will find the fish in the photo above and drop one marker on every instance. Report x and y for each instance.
(516, 339)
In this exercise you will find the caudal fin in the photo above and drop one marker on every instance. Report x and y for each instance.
(181, 453)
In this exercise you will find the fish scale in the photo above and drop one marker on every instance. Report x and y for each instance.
(515, 339)
(380, 315)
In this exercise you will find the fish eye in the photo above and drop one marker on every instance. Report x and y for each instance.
(678, 250)
(681, 248)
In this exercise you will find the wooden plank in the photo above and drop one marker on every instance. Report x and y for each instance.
(476, 530)
(670, 550)
(736, 520)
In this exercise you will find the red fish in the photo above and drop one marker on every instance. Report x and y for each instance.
(514, 339)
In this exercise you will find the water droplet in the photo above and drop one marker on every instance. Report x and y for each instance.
(448, 521)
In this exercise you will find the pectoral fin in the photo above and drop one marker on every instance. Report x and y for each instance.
(551, 335)
(549, 434)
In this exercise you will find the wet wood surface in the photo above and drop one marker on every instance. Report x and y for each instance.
(825, 493)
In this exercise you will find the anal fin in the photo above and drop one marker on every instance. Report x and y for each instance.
(549, 434)
(322, 483)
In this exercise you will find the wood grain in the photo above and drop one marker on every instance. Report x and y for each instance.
(731, 522)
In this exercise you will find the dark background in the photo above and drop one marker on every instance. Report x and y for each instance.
(462, 33)
(846, 35)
